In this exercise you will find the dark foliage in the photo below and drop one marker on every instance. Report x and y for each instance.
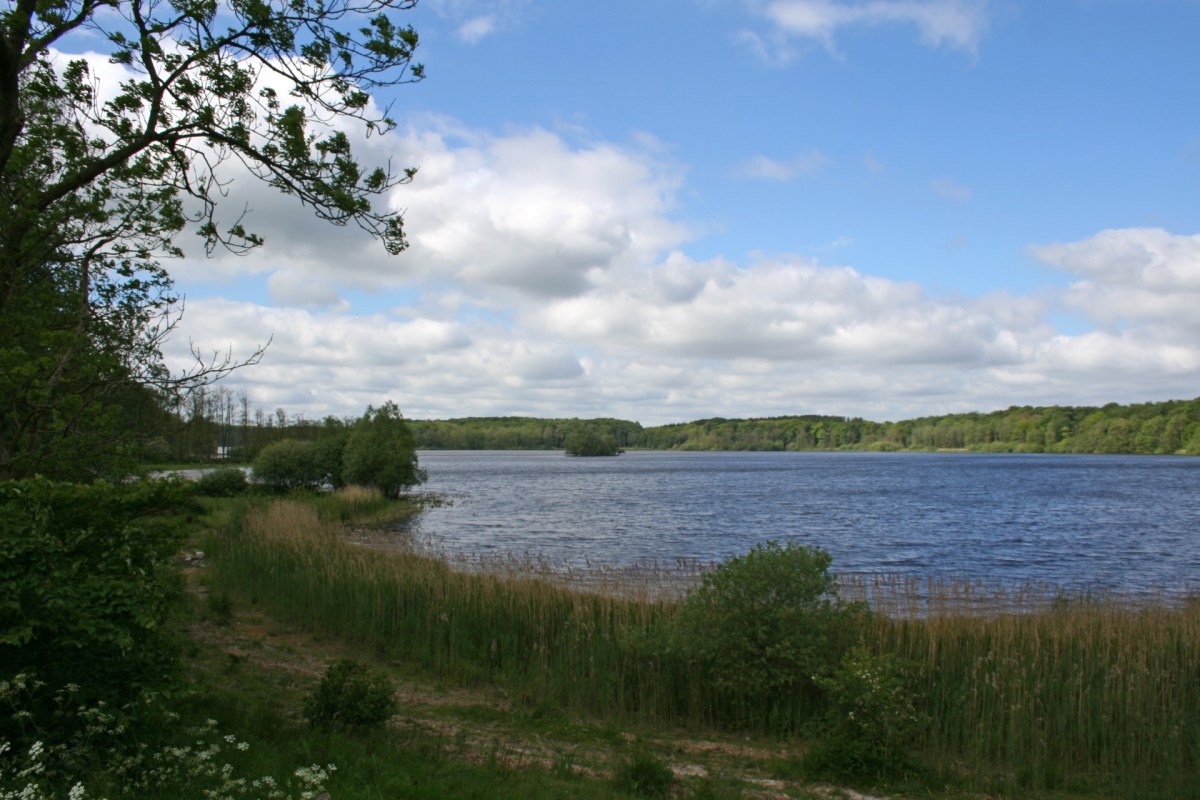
(351, 697)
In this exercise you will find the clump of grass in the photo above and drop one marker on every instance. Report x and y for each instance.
(360, 505)
(645, 776)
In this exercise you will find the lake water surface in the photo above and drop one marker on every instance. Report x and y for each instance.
(1123, 523)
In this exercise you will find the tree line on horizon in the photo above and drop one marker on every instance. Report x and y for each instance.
(219, 424)
(1170, 427)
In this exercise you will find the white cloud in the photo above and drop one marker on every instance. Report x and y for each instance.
(477, 28)
(530, 212)
(476, 20)
(953, 24)
(950, 190)
(782, 312)
(1133, 276)
(804, 165)
(549, 276)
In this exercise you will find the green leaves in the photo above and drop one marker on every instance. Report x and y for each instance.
(351, 697)
(381, 452)
(764, 625)
(85, 581)
(89, 188)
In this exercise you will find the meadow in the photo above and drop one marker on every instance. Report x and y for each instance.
(1012, 692)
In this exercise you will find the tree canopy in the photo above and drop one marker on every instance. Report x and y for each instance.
(380, 452)
(588, 442)
(98, 179)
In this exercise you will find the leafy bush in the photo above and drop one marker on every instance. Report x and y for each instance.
(86, 581)
(293, 464)
(870, 721)
(351, 697)
(763, 625)
(645, 776)
(224, 482)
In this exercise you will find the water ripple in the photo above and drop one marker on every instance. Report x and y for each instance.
(1127, 524)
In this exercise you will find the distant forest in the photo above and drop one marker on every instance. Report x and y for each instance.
(1150, 428)
(223, 425)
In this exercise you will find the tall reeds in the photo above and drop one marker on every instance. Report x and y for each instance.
(547, 643)
(1043, 691)
(1019, 688)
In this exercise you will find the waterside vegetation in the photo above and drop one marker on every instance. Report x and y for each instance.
(1091, 697)
(801, 675)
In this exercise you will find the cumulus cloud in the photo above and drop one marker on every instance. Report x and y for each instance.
(782, 313)
(1133, 276)
(533, 213)
(953, 24)
(549, 275)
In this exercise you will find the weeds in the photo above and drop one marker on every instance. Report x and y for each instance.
(645, 776)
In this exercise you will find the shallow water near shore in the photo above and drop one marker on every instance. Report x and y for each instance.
(1121, 524)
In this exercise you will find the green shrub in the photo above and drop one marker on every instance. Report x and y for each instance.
(224, 482)
(763, 625)
(351, 697)
(645, 776)
(86, 581)
(870, 722)
(293, 464)
(160, 759)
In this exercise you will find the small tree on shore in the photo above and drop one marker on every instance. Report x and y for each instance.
(381, 452)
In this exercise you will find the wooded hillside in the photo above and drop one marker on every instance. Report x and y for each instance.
(1150, 428)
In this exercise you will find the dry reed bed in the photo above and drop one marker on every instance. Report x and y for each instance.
(1028, 689)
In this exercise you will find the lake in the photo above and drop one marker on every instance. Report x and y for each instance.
(1124, 523)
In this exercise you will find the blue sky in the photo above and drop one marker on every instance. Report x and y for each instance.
(673, 209)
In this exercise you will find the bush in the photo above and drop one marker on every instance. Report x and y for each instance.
(224, 482)
(870, 721)
(645, 776)
(86, 582)
(351, 697)
(764, 625)
(293, 464)
(188, 762)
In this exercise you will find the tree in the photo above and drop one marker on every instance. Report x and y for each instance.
(381, 453)
(587, 442)
(97, 181)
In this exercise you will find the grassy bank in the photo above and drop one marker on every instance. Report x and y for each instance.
(1090, 698)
